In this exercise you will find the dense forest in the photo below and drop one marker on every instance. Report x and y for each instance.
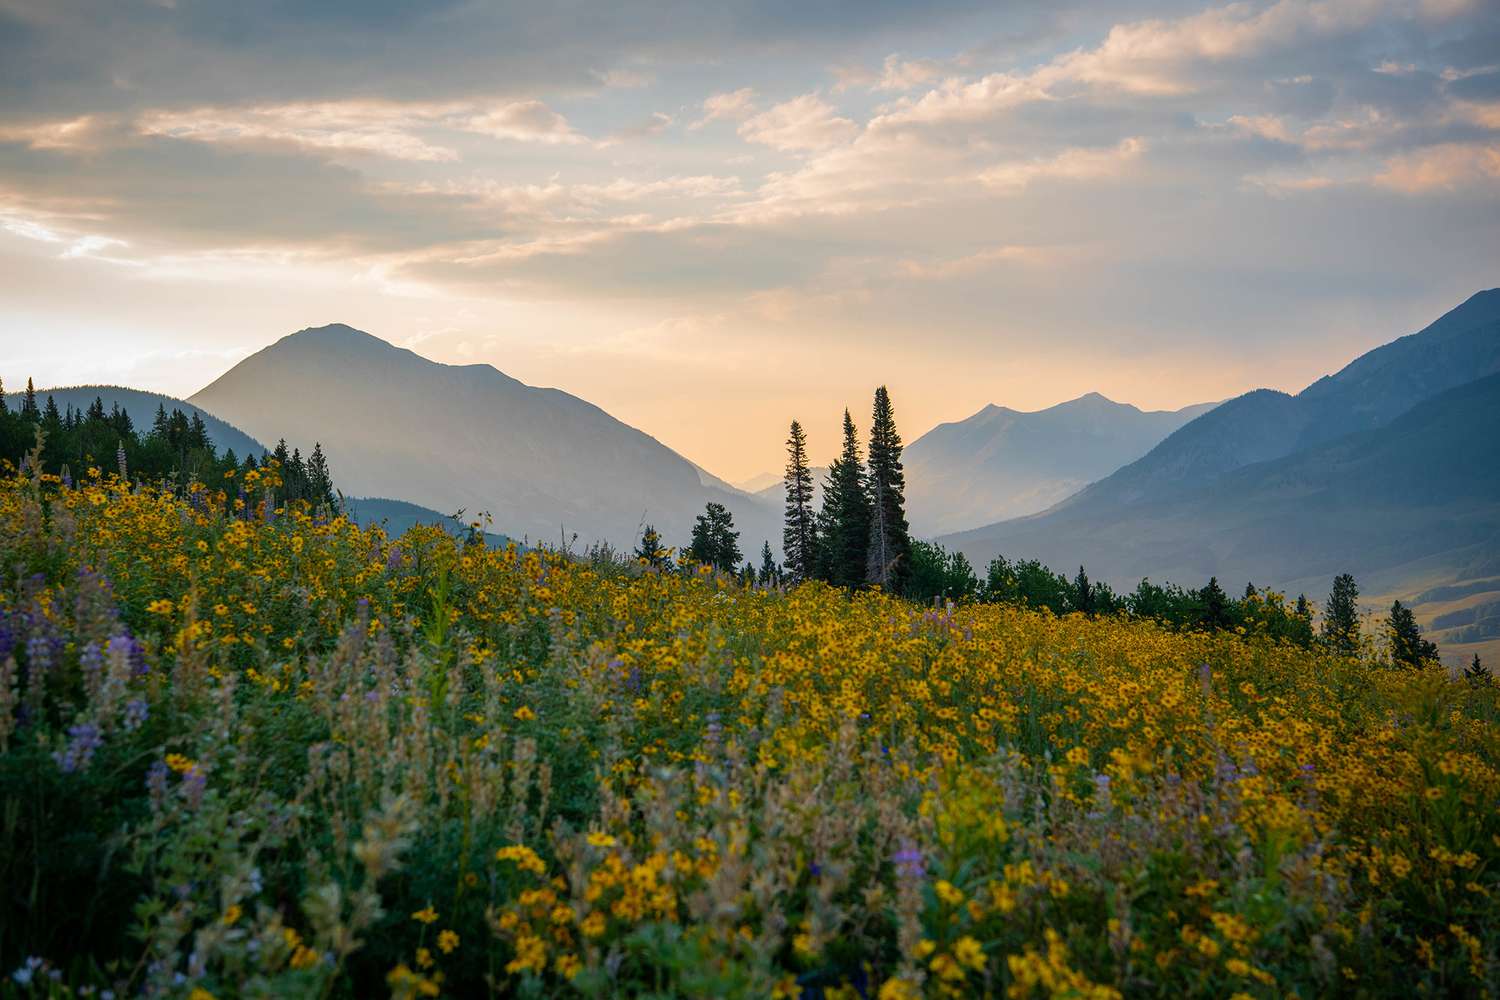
(174, 451)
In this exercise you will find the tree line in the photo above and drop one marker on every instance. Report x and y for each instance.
(859, 537)
(176, 450)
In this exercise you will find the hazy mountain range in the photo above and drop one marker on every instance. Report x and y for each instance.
(1389, 469)
(542, 463)
(1002, 463)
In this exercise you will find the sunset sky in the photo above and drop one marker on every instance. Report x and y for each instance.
(711, 217)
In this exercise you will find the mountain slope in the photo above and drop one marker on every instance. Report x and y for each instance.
(542, 463)
(1002, 463)
(396, 516)
(1462, 345)
(1409, 504)
(141, 406)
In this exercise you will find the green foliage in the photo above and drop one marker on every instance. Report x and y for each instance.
(844, 521)
(937, 573)
(715, 542)
(799, 539)
(888, 557)
(1341, 616)
(1408, 648)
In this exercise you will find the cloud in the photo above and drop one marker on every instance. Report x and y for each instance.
(1069, 165)
(653, 125)
(1442, 168)
(382, 128)
(803, 123)
(734, 105)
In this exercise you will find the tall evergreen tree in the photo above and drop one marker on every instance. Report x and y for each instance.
(888, 556)
(1083, 593)
(52, 416)
(28, 403)
(1408, 648)
(319, 479)
(1341, 616)
(770, 573)
(1302, 622)
(1213, 605)
(799, 537)
(715, 541)
(3, 408)
(844, 522)
(1477, 673)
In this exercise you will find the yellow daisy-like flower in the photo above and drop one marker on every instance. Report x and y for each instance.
(601, 840)
(426, 915)
(524, 714)
(447, 942)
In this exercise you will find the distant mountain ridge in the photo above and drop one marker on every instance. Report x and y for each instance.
(544, 464)
(1418, 495)
(1002, 463)
(141, 405)
(1462, 345)
(1389, 469)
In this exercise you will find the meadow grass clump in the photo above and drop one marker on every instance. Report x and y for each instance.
(256, 752)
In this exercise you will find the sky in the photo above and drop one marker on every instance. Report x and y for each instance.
(711, 217)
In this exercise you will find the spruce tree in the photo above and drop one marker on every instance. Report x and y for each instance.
(844, 522)
(715, 542)
(28, 403)
(1408, 648)
(1477, 673)
(1083, 593)
(52, 416)
(1214, 605)
(319, 478)
(3, 408)
(1341, 616)
(799, 537)
(888, 555)
(770, 573)
(1302, 627)
(652, 551)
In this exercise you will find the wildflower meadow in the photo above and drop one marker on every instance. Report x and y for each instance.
(259, 751)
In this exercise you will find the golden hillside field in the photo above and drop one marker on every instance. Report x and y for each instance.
(252, 752)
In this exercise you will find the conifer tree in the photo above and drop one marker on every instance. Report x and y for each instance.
(715, 542)
(1302, 627)
(1214, 604)
(770, 573)
(52, 416)
(319, 479)
(3, 408)
(799, 537)
(1408, 648)
(652, 551)
(888, 556)
(1341, 616)
(1083, 593)
(28, 403)
(1477, 673)
(844, 522)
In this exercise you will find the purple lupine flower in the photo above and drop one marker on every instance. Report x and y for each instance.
(83, 740)
(194, 784)
(909, 861)
(91, 660)
(123, 644)
(156, 782)
(136, 711)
